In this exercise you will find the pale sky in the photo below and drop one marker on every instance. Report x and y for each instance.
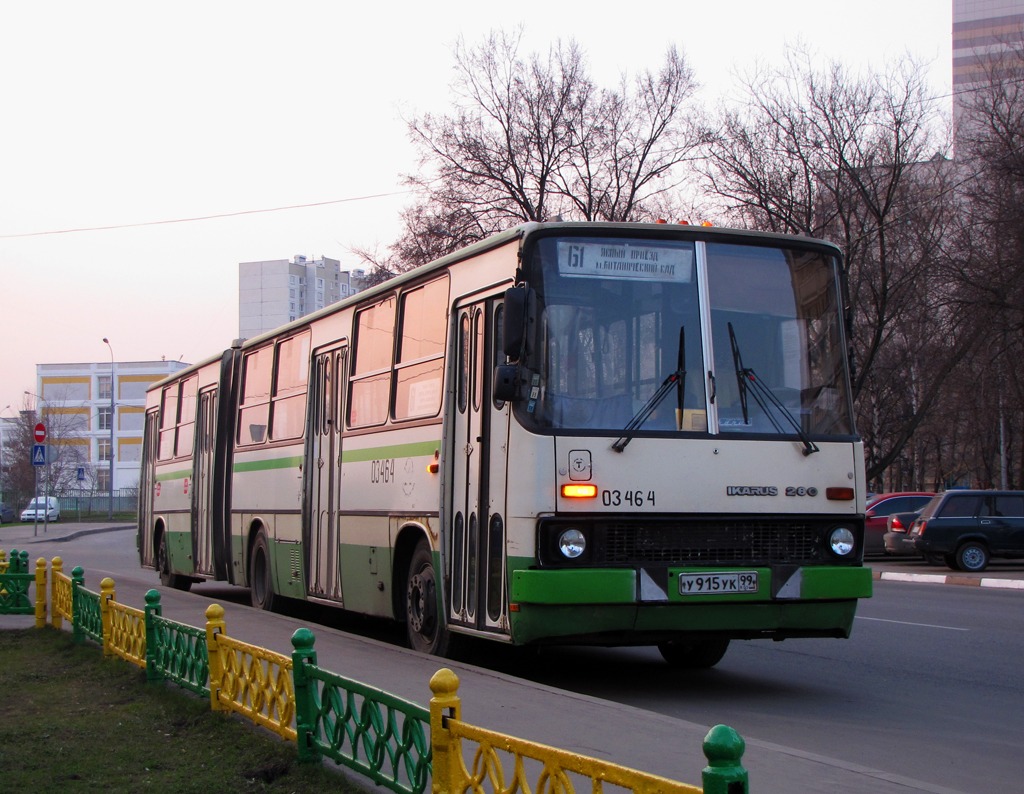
(126, 114)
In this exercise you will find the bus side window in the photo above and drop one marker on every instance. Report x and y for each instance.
(370, 384)
(420, 365)
(255, 412)
(168, 420)
(186, 417)
(288, 417)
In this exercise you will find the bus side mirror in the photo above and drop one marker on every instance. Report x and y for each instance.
(519, 312)
(506, 382)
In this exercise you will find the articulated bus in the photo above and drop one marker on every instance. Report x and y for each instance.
(570, 433)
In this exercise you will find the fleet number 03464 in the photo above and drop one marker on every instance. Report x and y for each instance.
(636, 498)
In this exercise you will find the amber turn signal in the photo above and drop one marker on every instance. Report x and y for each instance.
(579, 491)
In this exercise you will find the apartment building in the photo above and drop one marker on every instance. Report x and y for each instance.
(983, 32)
(278, 291)
(94, 412)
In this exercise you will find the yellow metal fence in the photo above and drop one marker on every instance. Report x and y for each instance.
(248, 679)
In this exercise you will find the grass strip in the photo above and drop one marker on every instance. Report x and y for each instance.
(71, 720)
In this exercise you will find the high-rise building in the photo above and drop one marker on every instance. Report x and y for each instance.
(983, 31)
(93, 411)
(276, 291)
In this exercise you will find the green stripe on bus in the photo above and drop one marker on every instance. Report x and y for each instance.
(416, 450)
(174, 475)
(266, 465)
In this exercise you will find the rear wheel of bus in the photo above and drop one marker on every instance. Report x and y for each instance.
(163, 566)
(261, 585)
(698, 654)
(423, 624)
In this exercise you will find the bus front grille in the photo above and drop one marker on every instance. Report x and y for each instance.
(740, 541)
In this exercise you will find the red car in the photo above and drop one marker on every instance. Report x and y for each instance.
(880, 507)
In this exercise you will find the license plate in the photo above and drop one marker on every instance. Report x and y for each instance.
(717, 583)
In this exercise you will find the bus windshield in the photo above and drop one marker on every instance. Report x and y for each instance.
(685, 336)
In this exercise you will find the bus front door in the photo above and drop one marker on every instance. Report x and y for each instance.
(476, 556)
(323, 475)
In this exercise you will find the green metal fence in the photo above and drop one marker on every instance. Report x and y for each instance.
(359, 726)
(82, 505)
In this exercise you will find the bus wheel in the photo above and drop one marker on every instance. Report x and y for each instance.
(694, 654)
(163, 565)
(261, 585)
(422, 622)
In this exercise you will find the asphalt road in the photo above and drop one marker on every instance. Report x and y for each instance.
(929, 687)
(925, 696)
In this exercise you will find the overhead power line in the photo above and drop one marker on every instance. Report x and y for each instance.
(200, 217)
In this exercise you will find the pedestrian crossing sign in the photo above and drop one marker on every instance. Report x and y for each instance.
(39, 454)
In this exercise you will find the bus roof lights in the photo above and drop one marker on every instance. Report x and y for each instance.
(579, 491)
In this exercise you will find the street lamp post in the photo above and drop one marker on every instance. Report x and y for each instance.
(110, 485)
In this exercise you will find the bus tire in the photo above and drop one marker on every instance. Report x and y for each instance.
(694, 654)
(423, 625)
(163, 566)
(261, 583)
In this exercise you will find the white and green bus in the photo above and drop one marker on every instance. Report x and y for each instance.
(571, 433)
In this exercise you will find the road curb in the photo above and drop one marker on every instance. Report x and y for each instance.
(81, 533)
(933, 578)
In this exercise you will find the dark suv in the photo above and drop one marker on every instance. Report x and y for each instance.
(965, 529)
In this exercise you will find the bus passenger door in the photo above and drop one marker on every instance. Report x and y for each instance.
(477, 535)
(202, 487)
(323, 474)
(147, 482)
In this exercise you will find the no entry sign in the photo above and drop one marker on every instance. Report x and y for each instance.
(39, 433)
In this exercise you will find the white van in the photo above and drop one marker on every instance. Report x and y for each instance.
(42, 508)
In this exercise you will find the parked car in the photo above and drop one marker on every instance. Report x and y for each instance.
(965, 529)
(6, 513)
(880, 507)
(897, 539)
(42, 508)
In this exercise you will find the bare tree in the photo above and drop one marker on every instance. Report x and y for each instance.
(852, 159)
(531, 138)
(66, 451)
(631, 144)
(19, 474)
(990, 267)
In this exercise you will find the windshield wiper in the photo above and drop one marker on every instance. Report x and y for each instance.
(677, 379)
(746, 379)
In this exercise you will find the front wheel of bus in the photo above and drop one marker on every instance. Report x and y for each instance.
(261, 585)
(694, 654)
(422, 622)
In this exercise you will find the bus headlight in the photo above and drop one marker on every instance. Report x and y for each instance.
(841, 541)
(572, 543)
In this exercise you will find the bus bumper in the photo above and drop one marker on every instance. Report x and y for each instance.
(644, 606)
